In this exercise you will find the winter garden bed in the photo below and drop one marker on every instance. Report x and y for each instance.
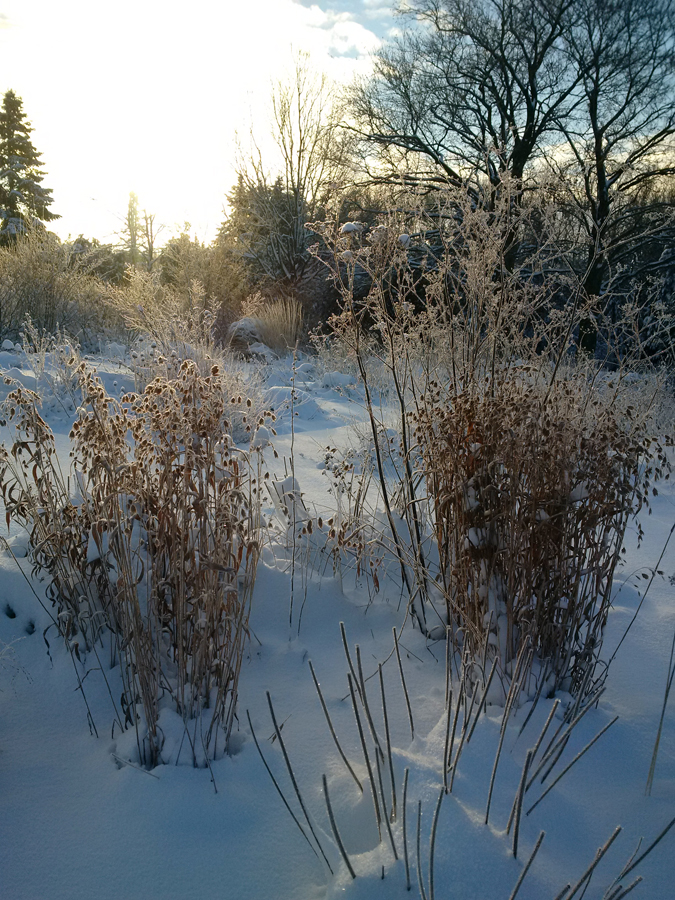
(157, 810)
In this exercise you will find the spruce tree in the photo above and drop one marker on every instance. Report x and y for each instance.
(24, 202)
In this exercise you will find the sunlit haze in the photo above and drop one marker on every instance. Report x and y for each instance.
(148, 95)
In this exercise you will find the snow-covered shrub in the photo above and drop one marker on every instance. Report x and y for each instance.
(176, 325)
(159, 550)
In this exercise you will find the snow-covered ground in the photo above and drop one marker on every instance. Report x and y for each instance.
(77, 822)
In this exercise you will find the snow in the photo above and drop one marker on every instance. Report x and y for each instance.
(77, 820)
(352, 228)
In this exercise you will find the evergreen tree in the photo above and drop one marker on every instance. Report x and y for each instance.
(23, 200)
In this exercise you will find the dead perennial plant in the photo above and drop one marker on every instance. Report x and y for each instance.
(155, 542)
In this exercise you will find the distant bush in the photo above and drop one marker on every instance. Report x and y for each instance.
(52, 283)
(219, 270)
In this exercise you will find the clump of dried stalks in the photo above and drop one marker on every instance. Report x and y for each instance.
(376, 769)
(532, 490)
(157, 549)
(519, 461)
(55, 362)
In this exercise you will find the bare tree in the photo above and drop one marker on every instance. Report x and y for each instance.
(492, 92)
(621, 135)
(471, 85)
(138, 236)
(130, 234)
(149, 235)
(270, 205)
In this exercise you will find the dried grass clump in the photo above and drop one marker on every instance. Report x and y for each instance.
(36, 495)
(163, 544)
(55, 362)
(280, 322)
(532, 492)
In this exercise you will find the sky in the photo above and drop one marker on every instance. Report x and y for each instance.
(149, 95)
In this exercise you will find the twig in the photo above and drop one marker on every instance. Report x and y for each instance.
(483, 703)
(556, 747)
(404, 824)
(405, 689)
(666, 694)
(420, 880)
(386, 818)
(332, 730)
(649, 849)
(294, 782)
(446, 749)
(373, 789)
(432, 843)
(333, 825)
(502, 734)
(571, 763)
(276, 785)
(599, 855)
(622, 893)
(535, 749)
(448, 674)
(366, 706)
(526, 868)
(349, 659)
(126, 762)
(448, 759)
(465, 723)
(519, 803)
(388, 738)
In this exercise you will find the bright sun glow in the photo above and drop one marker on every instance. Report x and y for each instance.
(147, 95)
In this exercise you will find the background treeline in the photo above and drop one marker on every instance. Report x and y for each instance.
(567, 105)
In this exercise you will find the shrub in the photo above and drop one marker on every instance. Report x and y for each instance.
(174, 321)
(52, 283)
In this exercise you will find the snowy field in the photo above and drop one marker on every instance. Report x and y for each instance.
(78, 820)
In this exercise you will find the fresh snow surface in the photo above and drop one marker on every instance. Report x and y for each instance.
(77, 822)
